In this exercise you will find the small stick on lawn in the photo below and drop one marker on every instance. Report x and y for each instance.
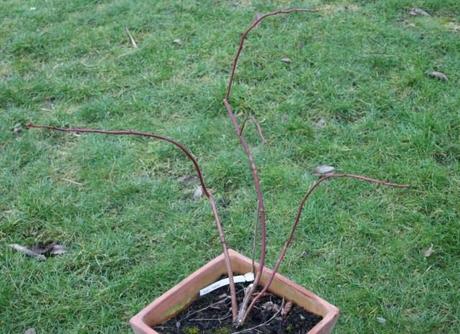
(259, 129)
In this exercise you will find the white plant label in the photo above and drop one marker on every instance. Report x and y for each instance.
(248, 277)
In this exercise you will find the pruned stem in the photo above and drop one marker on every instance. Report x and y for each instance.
(256, 179)
(199, 172)
(297, 220)
(255, 176)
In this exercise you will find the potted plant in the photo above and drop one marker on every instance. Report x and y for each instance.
(265, 281)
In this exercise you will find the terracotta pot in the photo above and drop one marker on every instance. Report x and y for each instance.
(179, 297)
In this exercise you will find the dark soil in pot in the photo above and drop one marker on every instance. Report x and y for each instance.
(211, 314)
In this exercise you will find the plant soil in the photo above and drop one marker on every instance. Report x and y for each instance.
(211, 314)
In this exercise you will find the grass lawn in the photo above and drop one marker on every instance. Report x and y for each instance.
(356, 95)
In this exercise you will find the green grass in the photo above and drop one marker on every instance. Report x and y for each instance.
(133, 231)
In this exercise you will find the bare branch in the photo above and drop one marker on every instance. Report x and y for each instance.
(260, 200)
(244, 35)
(299, 214)
(190, 156)
(243, 125)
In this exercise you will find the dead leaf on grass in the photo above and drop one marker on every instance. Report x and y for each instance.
(418, 12)
(428, 252)
(286, 60)
(40, 251)
(49, 249)
(438, 75)
(57, 250)
(324, 170)
(321, 123)
(17, 128)
(198, 193)
(28, 252)
(187, 180)
(453, 26)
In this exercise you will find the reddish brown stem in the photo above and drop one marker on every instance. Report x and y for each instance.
(244, 35)
(242, 126)
(299, 214)
(190, 156)
(260, 200)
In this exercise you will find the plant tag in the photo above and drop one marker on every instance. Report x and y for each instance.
(248, 277)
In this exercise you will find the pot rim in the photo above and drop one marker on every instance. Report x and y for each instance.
(210, 272)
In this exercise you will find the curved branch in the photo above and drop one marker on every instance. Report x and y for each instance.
(299, 214)
(244, 35)
(260, 200)
(190, 156)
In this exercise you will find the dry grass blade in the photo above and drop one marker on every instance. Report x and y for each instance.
(259, 129)
(131, 38)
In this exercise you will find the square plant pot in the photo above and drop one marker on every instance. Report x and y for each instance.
(183, 294)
